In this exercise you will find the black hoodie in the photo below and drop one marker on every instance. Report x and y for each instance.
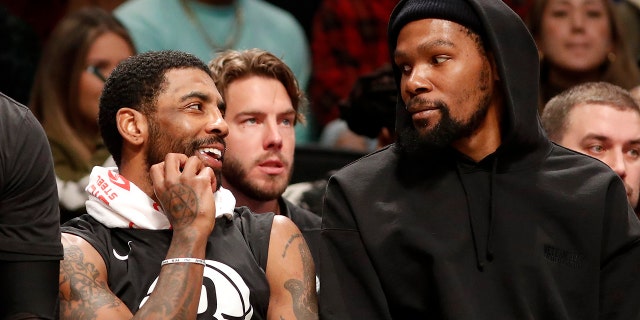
(533, 231)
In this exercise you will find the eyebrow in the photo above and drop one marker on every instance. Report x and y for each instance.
(425, 46)
(257, 111)
(196, 94)
(593, 136)
(599, 137)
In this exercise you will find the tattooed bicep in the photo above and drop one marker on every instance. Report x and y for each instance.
(83, 285)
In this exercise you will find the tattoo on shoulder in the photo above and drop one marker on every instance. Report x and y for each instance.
(87, 293)
(305, 304)
(293, 237)
(182, 202)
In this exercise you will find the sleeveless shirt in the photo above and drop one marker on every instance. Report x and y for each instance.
(234, 280)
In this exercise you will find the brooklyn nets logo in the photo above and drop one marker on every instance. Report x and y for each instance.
(224, 295)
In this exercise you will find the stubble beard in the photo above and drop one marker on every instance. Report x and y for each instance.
(237, 176)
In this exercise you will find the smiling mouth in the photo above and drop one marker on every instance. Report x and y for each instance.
(211, 152)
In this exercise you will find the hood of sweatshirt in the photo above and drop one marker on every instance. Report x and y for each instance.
(516, 56)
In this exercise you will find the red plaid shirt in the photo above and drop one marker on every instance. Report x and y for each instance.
(349, 40)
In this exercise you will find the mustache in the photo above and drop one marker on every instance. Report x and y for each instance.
(271, 155)
(420, 103)
(196, 144)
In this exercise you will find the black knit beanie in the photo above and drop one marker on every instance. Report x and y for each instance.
(458, 11)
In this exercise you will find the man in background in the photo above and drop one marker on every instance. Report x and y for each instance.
(263, 105)
(601, 120)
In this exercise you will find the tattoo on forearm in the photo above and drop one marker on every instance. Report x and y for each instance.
(293, 237)
(87, 293)
(182, 202)
(305, 304)
(178, 294)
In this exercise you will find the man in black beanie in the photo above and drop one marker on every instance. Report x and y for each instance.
(473, 213)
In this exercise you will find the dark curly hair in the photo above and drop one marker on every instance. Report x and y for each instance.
(371, 104)
(136, 83)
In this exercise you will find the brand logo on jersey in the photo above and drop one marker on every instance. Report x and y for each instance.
(121, 257)
(119, 180)
(224, 294)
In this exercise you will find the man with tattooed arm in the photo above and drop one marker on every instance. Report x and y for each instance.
(162, 238)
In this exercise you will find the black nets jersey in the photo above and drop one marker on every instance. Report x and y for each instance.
(234, 281)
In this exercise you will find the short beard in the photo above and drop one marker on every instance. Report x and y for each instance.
(236, 176)
(161, 144)
(412, 143)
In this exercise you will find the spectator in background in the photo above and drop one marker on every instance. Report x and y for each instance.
(349, 40)
(207, 27)
(580, 41)
(82, 51)
(602, 120)
(367, 116)
(30, 248)
(263, 103)
(370, 108)
(629, 13)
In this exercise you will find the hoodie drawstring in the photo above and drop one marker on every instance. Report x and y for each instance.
(482, 257)
(492, 185)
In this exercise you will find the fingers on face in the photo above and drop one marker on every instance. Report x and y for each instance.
(174, 163)
(192, 166)
(195, 167)
(178, 166)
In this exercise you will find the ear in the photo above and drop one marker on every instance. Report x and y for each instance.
(132, 125)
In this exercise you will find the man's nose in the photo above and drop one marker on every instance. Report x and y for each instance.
(618, 164)
(273, 139)
(217, 125)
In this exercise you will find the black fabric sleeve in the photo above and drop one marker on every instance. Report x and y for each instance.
(29, 289)
(620, 269)
(349, 288)
(29, 212)
(30, 246)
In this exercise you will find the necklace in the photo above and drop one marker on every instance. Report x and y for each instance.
(232, 38)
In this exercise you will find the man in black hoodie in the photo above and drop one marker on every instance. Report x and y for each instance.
(474, 213)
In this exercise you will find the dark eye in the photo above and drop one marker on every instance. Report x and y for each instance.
(405, 69)
(559, 13)
(634, 153)
(195, 106)
(440, 59)
(595, 13)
